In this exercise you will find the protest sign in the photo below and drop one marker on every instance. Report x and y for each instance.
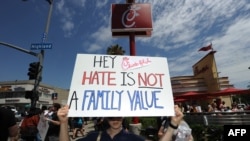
(109, 85)
(42, 127)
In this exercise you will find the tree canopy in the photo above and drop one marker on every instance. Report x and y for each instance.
(115, 50)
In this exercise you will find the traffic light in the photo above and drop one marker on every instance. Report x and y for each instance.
(33, 95)
(28, 94)
(33, 70)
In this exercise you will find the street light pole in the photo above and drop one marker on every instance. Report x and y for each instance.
(19, 48)
(48, 21)
(41, 57)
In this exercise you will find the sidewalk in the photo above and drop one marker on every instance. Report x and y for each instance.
(88, 128)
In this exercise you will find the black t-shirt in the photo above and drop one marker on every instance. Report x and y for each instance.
(121, 136)
(7, 119)
(53, 129)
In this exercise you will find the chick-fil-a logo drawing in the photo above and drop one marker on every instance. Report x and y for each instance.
(129, 15)
(128, 63)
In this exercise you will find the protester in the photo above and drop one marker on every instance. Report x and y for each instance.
(234, 107)
(223, 106)
(28, 128)
(210, 108)
(8, 126)
(115, 130)
(54, 124)
(71, 124)
(183, 132)
(99, 124)
(78, 126)
(48, 113)
(42, 114)
(85, 119)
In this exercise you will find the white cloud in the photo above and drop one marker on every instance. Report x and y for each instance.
(102, 34)
(232, 56)
(94, 47)
(180, 28)
(81, 3)
(188, 25)
(101, 3)
(67, 16)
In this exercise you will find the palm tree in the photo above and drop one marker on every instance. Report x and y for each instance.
(115, 50)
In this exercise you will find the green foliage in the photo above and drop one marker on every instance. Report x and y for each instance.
(148, 121)
(209, 133)
(197, 131)
(200, 132)
(115, 50)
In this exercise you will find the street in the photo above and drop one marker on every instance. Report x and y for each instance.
(88, 128)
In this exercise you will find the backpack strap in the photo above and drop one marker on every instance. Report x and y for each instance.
(99, 136)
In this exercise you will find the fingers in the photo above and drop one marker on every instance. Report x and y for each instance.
(178, 116)
(178, 112)
(63, 111)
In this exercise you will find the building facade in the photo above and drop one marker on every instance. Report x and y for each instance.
(13, 93)
(205, 80)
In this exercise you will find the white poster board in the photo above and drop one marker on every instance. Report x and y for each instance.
(109, 85)
(42, 127)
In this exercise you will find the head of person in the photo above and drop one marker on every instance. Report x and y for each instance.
(115, 122)
(32, 111)
(44, 108)
(56, 106)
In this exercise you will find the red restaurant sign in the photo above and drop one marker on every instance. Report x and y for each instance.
(131, 18)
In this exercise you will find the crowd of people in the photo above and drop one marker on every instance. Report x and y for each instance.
(215, 106)
(27, 129)
(116, 128)
(169, 128)
(8, 128)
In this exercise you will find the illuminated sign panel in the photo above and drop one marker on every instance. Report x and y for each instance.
(131, 18)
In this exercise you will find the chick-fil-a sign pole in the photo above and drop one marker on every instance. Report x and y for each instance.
(108, 85)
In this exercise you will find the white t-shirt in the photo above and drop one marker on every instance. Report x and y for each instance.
(183, 132)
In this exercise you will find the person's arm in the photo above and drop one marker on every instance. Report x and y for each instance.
(161, 131)
(11, 121)
(167, 136)
(55, 122)
(13, 131)
(63, 117)
(175, 121)
(190, 138)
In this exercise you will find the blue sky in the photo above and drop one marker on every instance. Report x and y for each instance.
(180, 28)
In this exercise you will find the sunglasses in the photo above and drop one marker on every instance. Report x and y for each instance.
(114, 118)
